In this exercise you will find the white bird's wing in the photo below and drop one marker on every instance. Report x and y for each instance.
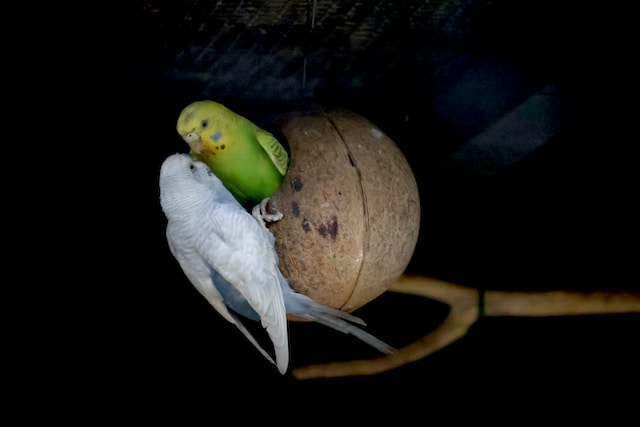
(235, 245)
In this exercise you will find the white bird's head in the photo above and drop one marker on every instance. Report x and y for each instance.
(185, 182)
(177, 165)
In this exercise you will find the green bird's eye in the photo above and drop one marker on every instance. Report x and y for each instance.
(204, 124)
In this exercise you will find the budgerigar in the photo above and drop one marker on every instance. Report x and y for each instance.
(250, 161)
(228, 254)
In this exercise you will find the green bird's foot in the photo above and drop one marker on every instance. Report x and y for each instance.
(261, 214)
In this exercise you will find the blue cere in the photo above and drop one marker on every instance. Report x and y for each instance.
(216, 136)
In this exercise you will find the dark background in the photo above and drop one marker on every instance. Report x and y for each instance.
(436, 77)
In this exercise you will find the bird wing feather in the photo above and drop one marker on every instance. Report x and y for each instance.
(274, 150)
(237, 248)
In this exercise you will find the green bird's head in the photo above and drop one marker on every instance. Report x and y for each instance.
(199, 120)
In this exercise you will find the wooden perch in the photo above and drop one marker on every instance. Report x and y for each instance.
(465, 311)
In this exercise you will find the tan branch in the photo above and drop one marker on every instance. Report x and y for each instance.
(464, 303)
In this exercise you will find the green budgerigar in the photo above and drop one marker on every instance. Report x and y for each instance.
(249, 160)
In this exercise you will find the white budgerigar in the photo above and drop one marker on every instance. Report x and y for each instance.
(229, 256)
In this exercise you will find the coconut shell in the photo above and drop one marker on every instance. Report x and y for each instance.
(350, 205)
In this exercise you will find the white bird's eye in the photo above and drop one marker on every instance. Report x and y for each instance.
(192, 137)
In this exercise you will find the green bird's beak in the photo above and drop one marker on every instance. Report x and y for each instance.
(194, 141)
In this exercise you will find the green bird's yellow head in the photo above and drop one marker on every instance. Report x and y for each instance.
(199, 120)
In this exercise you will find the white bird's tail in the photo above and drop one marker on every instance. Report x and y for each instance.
(303, 306)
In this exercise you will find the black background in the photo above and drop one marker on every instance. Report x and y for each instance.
(560, 218)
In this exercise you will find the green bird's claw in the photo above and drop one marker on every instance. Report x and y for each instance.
(261, 214)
